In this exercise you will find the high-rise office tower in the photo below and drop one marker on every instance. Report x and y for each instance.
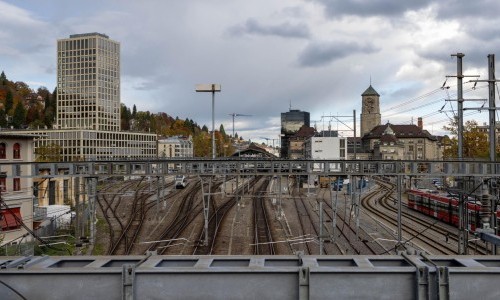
(291, 122)
(88, 82)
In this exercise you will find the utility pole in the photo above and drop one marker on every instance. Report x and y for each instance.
(462, 233)
(460, 101)
(354, 129)
(492, 140)
(491, 108)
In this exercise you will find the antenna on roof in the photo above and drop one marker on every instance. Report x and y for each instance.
(370, 79)
(290, 105)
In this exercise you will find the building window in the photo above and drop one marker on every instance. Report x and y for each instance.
(17, 184)
(3, 183)
(2, 151)
(17, 151)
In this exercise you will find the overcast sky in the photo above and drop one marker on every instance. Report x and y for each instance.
(313, 55)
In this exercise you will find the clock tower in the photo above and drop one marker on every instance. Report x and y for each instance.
(370, 111)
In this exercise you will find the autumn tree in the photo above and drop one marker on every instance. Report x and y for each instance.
(202, 145)
(22, 89)
(48, 153)
(475, 143)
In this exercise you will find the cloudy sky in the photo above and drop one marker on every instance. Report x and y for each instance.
(313, 55)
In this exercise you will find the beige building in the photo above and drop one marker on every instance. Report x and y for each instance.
(297, 142)
(16, 202)
(410, 141)
(392, 141)
(175, 146)
(88, 82)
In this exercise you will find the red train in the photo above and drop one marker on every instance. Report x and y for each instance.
(444, 208)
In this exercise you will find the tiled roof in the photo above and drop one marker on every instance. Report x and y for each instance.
(401, 131)
(388, 138)
(304, 132)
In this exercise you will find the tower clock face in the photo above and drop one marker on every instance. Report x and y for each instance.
(369, 104)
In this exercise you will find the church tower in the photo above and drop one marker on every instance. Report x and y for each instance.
(370, 111)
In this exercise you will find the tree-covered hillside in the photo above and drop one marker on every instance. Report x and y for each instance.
(24, 108)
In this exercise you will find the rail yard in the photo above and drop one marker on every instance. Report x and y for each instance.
(263, 215)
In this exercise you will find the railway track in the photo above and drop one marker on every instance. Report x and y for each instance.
(188, 210)
(109, 201)
(432, 228)
(216, 221)
(388, 216)
(263, 238)
(127, 216)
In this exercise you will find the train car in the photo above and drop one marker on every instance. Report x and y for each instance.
(180, 181)
(444, 207)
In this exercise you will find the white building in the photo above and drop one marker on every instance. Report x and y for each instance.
(175, 146)
(323, 147)
(326, 148)
(16, 200)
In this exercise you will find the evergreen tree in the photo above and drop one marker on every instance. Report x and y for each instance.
(222, 131)
(9, 101)
(19, 117)
(3, 119)
(134, 111)
(3, 79)
(204, 128)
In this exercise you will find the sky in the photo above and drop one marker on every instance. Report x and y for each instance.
(269, 56)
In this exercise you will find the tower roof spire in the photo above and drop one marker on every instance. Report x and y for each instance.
(370, 91)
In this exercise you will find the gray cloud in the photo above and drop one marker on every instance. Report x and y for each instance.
(339, 8)
(322, 53)
(451, 9)
(285, 30)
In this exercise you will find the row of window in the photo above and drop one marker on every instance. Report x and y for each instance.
(16, 151)
(16, 184)
(88, 43)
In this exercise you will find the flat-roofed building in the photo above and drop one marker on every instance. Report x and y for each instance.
(175, 146)
(88, 82)
(16, 201)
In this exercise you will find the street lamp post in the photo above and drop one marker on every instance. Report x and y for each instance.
(210, 88)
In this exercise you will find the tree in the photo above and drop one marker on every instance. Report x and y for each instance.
(125, 117)
(202, 145)
(134, 111)
(3, 79)
(222, 131)
(3, 119)
(475, 143)
(19, 117)
(23, 89)
(9, 101)
(204, 128)
(32, 115)
(47, 153)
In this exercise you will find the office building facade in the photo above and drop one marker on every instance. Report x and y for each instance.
(291, 122)
(88, 83)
